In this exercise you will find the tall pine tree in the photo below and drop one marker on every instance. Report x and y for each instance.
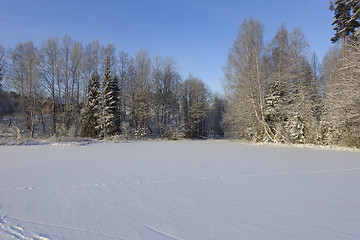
(346, 20)
(355, 18)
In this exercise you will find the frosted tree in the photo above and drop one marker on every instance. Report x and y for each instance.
(66, 46)
(50, 72)
(214, 117)
(290, 102)
(245, 85)
(194, 107)
(351, 95)
(140, 95)
(24, 78)
(166, 94)
(109, 98)
(91, 110)
(90, 63)
(76, 85)
(2, 64)
(302, 89)
(4, 102)
(341, 101)
(126, 70)
(341, 114)
(277, 66)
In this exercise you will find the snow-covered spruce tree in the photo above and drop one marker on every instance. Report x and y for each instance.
(90, 113)
(109, 102)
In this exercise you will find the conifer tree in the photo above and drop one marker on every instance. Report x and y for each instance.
(90, 113)
(346, 15)
(355, 18)
(342, 16)
(109, 119)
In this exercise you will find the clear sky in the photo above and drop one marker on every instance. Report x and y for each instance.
(197, 33)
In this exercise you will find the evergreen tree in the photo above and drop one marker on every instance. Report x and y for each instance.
(109, 119)
(90, 113)
(342, 17)
(346, 20)
(355, 18)
(116, 94)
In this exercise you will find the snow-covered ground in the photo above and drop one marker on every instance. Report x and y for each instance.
(178, 190)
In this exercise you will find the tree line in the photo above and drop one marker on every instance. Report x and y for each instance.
(67, 88)
(278, 92)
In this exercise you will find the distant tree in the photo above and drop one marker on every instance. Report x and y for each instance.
(166, 94)
(91, 110)
(66, 46)
(5, 104)
(50, 72)
(194, 107)
(2, 64)
(75, 91)
(24, 78)
(140, 95)
(214, 117)
(90, 63)
(126, 71)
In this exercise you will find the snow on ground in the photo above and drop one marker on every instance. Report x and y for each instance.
(178, 190)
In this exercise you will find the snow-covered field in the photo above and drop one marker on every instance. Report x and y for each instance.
(178, 190)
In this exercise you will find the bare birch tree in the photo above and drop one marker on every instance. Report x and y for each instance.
(245, 85)
(23, 76)
(50, 71)
(2, 63)
(165, 84)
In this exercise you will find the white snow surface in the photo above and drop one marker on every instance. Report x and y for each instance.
(178, 190)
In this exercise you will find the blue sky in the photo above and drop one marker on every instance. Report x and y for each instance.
(196, 33)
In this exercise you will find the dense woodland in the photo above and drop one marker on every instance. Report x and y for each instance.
(67, 88)
(275, 91)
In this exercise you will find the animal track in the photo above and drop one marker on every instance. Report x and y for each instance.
(203, 178)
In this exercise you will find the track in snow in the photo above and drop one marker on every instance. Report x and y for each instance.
(207, 178)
